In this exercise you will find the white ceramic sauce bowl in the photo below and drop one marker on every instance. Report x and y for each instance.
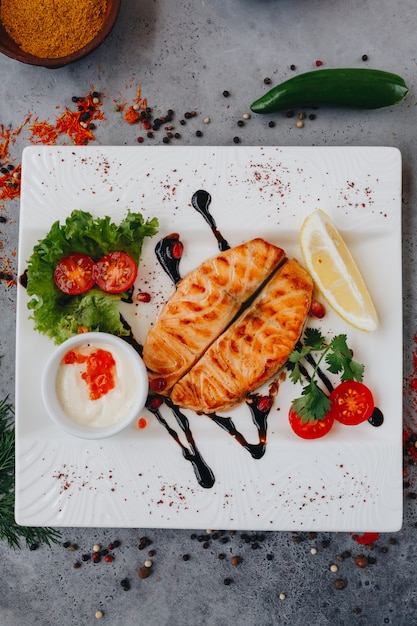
(128, 396)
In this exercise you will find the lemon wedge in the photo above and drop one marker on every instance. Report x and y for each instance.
(335, 272)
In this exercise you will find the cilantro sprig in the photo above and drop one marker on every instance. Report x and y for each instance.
(315, 350)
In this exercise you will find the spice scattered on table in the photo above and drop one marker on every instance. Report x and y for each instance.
(77, 124)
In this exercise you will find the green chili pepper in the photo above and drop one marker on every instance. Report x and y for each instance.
(357, 88)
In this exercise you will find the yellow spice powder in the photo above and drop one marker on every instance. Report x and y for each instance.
(52, 28)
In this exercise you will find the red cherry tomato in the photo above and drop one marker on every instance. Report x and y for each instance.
(310, 430)
(115, 272)
(352, 403)
(74, 274)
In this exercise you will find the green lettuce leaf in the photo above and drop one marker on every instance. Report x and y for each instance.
(59, 315)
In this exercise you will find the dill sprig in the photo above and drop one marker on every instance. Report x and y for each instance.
(10, 531)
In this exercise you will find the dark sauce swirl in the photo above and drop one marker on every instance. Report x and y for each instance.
(202, 471)
(201, 201)
(169, 252)
(260, 407)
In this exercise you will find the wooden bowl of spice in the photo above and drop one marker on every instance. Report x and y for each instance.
(54, 33)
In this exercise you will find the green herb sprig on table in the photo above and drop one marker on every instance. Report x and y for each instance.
(314, 403)
(9, 530)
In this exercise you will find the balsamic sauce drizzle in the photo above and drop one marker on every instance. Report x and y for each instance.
(201, 201)
(202, 471)
(260, 407)
(169, 261)
(130, 338)
(166, 251)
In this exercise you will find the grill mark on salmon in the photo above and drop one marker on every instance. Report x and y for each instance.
(206, 302)
(252, 349)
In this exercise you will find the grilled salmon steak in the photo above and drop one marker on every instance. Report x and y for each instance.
(203, 305)
(253, 348)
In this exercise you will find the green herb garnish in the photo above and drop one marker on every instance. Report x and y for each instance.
(314, 403)
(59, 315)
(9, 530)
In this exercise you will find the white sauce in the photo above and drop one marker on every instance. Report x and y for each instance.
(73, 391)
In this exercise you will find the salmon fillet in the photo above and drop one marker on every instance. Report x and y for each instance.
(203, 305)
(253, 349)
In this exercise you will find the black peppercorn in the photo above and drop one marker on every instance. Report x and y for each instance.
(339, 583)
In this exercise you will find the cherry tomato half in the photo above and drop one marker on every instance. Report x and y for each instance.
(352, 403)
(74, 274)
(115, 272)
(310, 430)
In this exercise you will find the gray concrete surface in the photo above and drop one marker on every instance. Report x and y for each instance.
(183, 55)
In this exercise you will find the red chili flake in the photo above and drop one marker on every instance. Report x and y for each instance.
(319, 63)
(10, 184)
(43, 132)
(132, 116)
(136, 111)
(70, 123)
(366, 539)
(4, 147)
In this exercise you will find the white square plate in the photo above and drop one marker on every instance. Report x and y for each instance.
(351, 480)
